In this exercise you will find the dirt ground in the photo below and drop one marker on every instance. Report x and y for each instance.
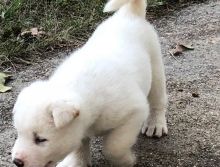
(194, 122)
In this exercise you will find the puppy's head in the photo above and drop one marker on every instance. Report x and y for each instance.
(47, 126)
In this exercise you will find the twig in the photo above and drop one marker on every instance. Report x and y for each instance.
(174, 57)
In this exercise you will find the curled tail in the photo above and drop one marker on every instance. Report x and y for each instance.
(137, 7)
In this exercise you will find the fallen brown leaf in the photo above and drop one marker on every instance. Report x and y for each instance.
(33, 32)
(180, 48)
(187, 46)
(3, 78)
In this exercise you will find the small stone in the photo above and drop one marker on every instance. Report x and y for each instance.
(195, 95)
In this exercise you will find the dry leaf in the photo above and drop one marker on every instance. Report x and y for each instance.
(176, 51)
(3, 78)
(187, 46)
(4, 89)
(33, 32)
(25, 33)
(180, 48)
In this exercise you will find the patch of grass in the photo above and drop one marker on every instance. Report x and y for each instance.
(65, 23)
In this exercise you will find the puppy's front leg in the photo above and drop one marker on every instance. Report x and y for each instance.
(78, 158)
(118, 143)
(156, 125)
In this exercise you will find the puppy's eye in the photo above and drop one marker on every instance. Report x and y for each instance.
(38, 140)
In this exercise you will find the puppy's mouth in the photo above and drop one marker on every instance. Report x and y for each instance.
(49, 164)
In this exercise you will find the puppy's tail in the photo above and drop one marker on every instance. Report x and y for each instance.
(137, 7)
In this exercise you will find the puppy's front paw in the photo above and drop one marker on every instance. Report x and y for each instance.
(70, 162)
(155, 125)
(66, 164)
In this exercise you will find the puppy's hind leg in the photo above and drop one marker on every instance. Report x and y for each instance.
(78, 158)
(156, 125)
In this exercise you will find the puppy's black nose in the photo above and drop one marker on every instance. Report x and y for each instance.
(18, 162)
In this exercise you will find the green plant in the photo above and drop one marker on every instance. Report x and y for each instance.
(65, 23)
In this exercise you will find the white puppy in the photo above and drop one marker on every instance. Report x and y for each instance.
(109, 87)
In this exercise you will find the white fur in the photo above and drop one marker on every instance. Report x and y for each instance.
(108, 87)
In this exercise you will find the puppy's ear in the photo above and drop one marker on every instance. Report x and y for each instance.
(63, 113)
